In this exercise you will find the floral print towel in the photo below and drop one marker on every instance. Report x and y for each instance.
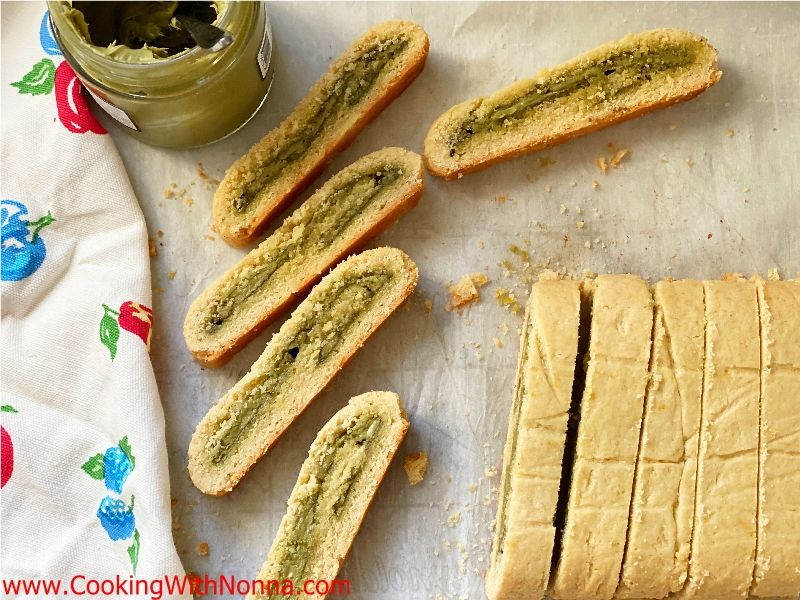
(85, 488)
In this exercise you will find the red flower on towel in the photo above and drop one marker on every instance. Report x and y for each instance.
(6, 450)
(73, 111)
(44, 76)
(131, 316)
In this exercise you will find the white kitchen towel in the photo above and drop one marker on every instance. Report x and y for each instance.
(85, 487)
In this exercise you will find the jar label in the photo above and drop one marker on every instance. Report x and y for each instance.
(114, 112)
(264, 52)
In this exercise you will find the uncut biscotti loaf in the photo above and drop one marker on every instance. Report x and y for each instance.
(723, 548)
(353, 206)
(614, 82)
(524, 533)
(322, 334)
(600, 492)
(336, 485)
(359, 84)
(777, 572)
(662, 508)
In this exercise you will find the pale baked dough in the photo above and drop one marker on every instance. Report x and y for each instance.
(358, 85)
(524, 534)
(323, 333)
(536, 113)
(662, 510)
(336, 485)
(777, 572)
(608, 440)
(353, 206)
(724, 539)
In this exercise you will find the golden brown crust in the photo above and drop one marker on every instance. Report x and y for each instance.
(209, 484)
(452, 174)
(246, 235)
(565, 128)
(220, 355)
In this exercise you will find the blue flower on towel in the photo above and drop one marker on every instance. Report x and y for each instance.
(117, 518)
(116, 466)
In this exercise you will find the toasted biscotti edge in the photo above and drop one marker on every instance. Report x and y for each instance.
(219, 486)
(313, 165)
(337, 554)
(435, 152)
(218, 356)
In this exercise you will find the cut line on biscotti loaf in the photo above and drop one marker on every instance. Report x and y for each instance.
(662, 510)
(534, 449)
(617, 372)
(336, 485)
(322, 334)
(358, 85)
(614, 82)
(777, 567)
(724, 539)
(350, 208)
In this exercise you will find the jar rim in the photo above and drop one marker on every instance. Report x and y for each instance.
(221, 21)
(135, 71)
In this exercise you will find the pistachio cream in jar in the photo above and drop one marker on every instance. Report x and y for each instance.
(145, 69)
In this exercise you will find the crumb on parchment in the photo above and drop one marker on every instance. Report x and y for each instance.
(508, 300)
(466, 290)
(205, 177)
(152, 250)
(202, 549)
(415, 465)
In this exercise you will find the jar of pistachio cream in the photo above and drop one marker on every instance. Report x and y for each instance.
(144, 64)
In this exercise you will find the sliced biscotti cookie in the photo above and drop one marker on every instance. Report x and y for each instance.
(337, 483)
(358, 85)
(311, 347)
(614, 82)
(724, 538)
(662, 510)
(777, 572)
(353, 206)
(600, 492)
(524, 533)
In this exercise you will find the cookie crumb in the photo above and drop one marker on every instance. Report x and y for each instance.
(201, 173)
(465, 290)
(729, 132)
(415, 465)
(773, 274)
(508, 300)
(595, 184)
(601, 163)
(152, 250)
(545, 161)
(619, 155)
(202, 549)
(171, 275)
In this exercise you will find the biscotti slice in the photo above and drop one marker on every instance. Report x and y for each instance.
(353, 206)
(358, 85)
(600, 492)
(724, 539)
(662, 510)
(337, 483)
(311, 347)
(524, 533)
(777, 572)
(617, 81)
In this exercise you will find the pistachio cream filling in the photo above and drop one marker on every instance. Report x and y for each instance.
(136, 31)
(356, 80)
(320, 334)
(317, 230)
(337, 467)
(615, 76)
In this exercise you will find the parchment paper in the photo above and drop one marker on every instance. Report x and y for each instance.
(734, 209)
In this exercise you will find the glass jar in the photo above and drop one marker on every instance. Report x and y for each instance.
(190, 99)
